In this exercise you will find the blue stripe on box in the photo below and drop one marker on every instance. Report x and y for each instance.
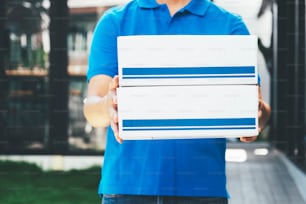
(127, 71)
(170, 129)
(189, 77)
(189, 122)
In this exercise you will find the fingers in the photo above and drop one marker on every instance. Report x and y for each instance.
(114, 122)
(260, 103)
(114, 84)
(260, 114)
(113, 108)
(253, 138)
(248, 139)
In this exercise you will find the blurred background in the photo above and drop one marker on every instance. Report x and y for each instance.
(44, 51)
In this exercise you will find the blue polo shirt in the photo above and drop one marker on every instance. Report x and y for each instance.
(186, 167)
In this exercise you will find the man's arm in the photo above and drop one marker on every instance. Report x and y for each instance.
(264, 112)
(97, 103)
(100, 106)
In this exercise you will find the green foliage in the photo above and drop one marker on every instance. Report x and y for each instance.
(27, 183)
(11, 166)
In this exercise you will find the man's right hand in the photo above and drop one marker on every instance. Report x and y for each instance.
(100, 106)
(112, 93)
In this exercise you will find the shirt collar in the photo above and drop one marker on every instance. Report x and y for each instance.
(198, 7)
(147, 3)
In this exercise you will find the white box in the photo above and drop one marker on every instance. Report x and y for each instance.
(187, 60)
(173, 112)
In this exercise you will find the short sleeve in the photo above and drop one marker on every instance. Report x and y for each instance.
(238, 27)
(103, 51)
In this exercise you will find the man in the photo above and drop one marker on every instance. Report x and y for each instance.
(157, 171)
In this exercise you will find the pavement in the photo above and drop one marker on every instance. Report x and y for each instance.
(263, 175)
(257, 173)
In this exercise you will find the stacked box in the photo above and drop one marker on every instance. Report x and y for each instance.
(187, 86)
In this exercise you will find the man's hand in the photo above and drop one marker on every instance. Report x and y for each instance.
(248, 139)
(264, 112)
(114, 107)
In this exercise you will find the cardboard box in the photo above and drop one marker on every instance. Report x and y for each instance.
(187, 60)
(173, 112)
